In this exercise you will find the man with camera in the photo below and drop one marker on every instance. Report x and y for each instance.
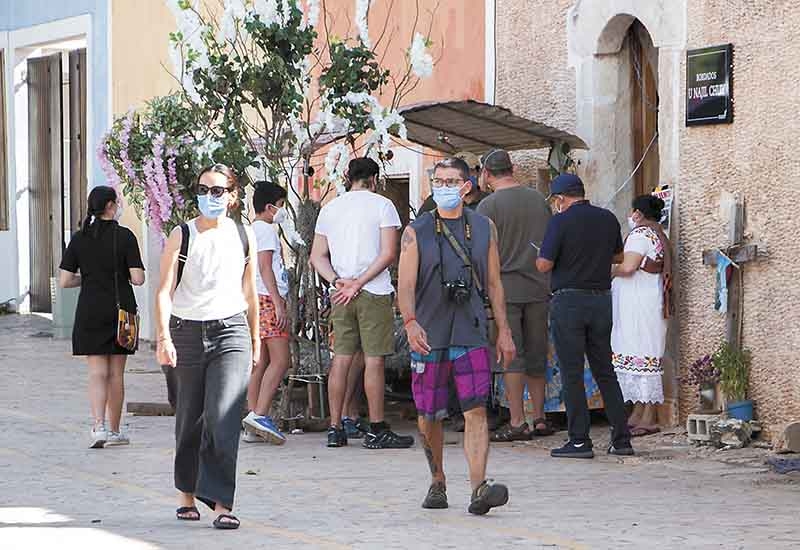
(449, 271)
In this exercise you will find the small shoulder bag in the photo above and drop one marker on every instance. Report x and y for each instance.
(127, 322)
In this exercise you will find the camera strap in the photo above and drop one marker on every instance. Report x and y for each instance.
(459, 250)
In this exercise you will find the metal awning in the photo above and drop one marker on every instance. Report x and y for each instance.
(454, 126)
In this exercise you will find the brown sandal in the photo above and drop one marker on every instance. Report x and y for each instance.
(543, 432)
(509, 433)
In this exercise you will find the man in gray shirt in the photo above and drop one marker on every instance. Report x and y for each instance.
(520, 214)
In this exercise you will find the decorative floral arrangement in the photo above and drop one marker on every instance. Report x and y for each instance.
(702, 372)
(261, 91)
(153, 158)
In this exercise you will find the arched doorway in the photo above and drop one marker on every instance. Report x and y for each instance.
(628, 61)
(643, 69)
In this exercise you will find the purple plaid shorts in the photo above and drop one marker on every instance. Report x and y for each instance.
(430, 379)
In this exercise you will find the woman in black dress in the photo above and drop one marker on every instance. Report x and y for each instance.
(90, 263)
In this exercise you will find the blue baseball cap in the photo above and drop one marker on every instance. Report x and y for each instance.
(566, 183)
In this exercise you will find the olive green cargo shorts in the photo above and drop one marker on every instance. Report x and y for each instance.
(365, 324)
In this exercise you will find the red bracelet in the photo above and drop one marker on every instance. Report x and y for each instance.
(410, 320)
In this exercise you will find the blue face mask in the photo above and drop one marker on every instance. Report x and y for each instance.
(447, 198)
(212, 207)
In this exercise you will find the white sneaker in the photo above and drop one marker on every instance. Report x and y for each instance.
(99, 437)
(117, 438)
(252, 437)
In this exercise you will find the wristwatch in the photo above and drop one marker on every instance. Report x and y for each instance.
(333, 282)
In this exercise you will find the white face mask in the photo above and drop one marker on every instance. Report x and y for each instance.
(632, 223)
(280, 215)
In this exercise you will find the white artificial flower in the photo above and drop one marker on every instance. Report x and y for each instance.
(313, 13)
(420, 59)
(336, 164)
(188, 23)
(232, 18)
(362, 8)
(267, 11)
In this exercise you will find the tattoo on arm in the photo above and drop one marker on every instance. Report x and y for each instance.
(408, 239)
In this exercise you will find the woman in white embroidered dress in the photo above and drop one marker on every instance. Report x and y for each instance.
(640, 327)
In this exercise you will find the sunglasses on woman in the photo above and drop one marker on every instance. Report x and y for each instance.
(216, 191)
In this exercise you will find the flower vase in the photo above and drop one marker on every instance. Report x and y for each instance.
(708, 398)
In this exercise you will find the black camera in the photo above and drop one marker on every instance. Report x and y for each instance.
(458, 291)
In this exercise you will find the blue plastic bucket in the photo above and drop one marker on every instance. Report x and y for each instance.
(742, 410)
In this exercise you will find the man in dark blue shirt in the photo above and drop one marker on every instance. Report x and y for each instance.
(580, 245)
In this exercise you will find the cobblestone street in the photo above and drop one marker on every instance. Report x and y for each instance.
(56, 493)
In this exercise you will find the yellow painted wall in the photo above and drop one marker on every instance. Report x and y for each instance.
(139, 62)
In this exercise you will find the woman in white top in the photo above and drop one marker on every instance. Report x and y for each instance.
(211, 340)
(640, 327)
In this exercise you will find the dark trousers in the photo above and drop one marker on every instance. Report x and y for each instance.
(581, 325)
(214, 362)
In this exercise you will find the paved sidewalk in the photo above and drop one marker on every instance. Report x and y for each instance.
(56, 493)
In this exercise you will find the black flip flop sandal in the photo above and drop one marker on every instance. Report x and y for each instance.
(232, 523)
(181, 513)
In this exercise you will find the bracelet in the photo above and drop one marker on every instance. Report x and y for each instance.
(408, 321)
(333, 282)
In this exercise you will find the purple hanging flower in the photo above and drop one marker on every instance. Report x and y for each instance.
(106, 166)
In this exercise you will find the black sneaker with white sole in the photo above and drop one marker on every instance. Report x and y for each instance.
(487, 496)
(387, 439)
(336, 437)
(574, 450)
(621, 450)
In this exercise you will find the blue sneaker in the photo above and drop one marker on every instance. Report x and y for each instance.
(265, 427)
(351, 429)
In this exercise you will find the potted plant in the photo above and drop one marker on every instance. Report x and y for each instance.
(705, 376)
(734, 368)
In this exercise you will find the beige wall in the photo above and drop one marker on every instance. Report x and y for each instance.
(548, 58)
(139, 47)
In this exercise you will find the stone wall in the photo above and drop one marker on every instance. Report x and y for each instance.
(755, 159)
(751, 158)
(533, 77)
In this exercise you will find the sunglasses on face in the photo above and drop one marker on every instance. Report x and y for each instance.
(216, 191)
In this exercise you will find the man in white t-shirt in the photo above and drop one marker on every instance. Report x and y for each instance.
(354, 245)
(273, 287)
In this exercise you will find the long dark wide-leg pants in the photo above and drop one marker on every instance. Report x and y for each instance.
(214, 363)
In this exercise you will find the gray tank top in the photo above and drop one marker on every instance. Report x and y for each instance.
(448, 324)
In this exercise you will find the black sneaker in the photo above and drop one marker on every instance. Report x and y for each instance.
(337, 437)
(574, 450)
(621, 450)
(487, 496)
(437, 497)
(387, 439)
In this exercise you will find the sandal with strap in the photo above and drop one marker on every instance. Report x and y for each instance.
(188, 513)
(543, 432)
(226, 521)
(509, 433)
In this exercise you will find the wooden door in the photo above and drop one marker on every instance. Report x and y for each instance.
(644, 97)
(78, 180)
(45, 175)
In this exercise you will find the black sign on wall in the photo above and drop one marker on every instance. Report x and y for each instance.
(709, 85)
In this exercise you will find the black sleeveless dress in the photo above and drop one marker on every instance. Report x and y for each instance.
(91, 253)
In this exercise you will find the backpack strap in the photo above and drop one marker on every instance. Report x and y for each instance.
(182, 255)
(245, 242)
